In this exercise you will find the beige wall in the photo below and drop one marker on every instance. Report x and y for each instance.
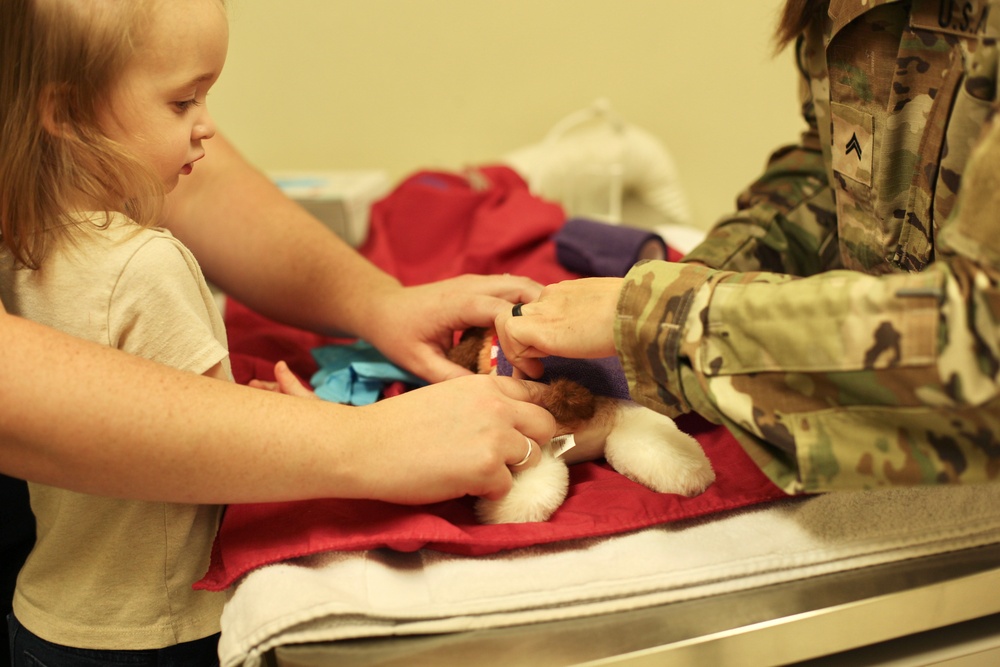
(407, 84)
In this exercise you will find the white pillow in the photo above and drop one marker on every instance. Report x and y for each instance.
(592, 160)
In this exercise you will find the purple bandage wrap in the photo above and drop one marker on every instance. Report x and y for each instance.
(603, 377)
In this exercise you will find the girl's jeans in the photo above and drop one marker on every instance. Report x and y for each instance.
(28, 650)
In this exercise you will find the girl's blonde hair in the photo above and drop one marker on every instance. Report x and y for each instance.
(59, 60)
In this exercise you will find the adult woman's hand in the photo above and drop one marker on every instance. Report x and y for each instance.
(414, 326)
(460, 437)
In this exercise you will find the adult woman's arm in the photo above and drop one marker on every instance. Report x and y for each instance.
(92, 419)
(269, 253)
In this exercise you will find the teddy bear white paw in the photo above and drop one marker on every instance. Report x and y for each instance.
(648, 448)
(537, 493)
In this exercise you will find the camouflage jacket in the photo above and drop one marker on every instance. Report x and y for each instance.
(849, 330)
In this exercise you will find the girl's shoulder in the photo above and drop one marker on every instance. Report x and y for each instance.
(115, 230)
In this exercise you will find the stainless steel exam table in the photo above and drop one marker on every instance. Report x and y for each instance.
(942, 609)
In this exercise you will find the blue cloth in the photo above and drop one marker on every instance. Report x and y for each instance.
(355, 374)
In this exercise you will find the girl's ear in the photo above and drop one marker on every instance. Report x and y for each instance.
(53, 110)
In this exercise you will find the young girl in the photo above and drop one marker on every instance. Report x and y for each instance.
(108, 102)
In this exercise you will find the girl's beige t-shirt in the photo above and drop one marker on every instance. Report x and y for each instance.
(107, 573)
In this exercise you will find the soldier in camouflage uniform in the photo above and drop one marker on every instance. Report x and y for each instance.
(848, 330)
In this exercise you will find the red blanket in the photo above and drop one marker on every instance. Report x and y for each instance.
(437, 225)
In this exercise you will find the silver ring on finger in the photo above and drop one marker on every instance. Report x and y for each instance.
(527, 456)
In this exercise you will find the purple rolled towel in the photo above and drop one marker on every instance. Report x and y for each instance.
(594, 248)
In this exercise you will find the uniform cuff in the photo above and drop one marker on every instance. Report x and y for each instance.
(653, 310)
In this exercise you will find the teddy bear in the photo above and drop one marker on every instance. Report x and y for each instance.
(642, 444)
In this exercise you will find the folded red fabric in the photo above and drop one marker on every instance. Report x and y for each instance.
(601, 502)
(437, 225)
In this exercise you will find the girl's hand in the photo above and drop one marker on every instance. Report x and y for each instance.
(284, 382)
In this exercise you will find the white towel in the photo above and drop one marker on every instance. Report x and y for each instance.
(347, 595)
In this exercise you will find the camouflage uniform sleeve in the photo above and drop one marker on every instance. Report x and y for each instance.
(785, 221)
(837, 381)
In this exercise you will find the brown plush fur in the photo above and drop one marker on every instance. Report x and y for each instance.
(637, 442)
(570, 403)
